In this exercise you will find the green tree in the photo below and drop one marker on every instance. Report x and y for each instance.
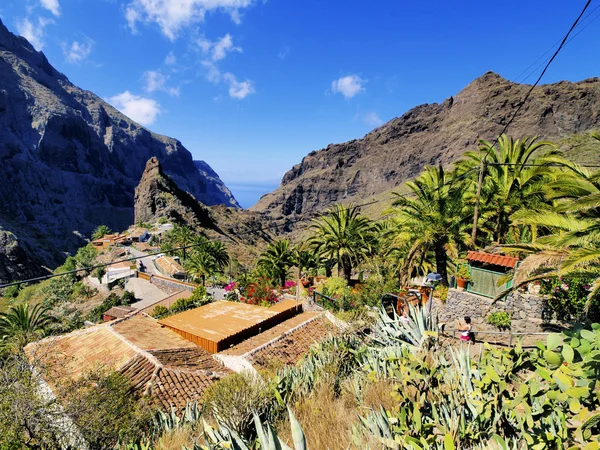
(85, 256)
(200, 265)
(515, 177)
(345, 236)
(435, 218)
(277, 259)
(183, 236)
(100, 232)
(572, 245)
(22, 324)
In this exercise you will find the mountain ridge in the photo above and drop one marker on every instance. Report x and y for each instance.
(429, 134)
(71, 161)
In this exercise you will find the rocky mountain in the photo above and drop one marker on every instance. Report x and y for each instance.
(243, 232)
(70, 161)
(429, 134)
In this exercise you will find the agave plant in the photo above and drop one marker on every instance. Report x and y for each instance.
(223, 438)
(419, 329)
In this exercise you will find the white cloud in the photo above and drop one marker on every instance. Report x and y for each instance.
(142, 110)
(372, 119)
(173, 15)
(217, 50)
(170, 59)
(238, 89)
(52, 6)
(156, 81)
(348, 86)
(78, 51)
(33, 33)
(283, 52)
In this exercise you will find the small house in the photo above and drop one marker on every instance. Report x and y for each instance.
(169, 267)
(117, 312)
(139, 234)
(486, 269)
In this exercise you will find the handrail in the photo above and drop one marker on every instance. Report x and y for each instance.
(331, 299)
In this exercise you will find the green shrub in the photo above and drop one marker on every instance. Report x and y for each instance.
(12, 291)
(234, 398)
(85, 256)
(182, 304)
(159, 311)
(98, 273)
(128, 298)
(463, 272)
(567, 297)
(499, 319)
(335, 287)
(441, 292)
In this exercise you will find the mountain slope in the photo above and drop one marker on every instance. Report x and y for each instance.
(430, 134)
(70, 161)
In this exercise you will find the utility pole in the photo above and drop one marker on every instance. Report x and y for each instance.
(477, 197)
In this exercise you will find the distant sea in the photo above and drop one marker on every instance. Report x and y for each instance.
(247, 194)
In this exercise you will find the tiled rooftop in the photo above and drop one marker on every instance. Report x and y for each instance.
(290, 348)
(158, 361)
(144, 332)
(270, 334)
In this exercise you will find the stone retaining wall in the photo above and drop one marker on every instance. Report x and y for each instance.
(526, 311)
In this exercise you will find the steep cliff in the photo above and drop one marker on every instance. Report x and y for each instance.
(69, 162)
(428, 134)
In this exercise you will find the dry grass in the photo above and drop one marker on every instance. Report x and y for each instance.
(176, 439)
(328, 420)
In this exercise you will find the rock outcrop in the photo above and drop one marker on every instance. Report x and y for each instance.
(430, 134)
(157, 195)
(70, 161)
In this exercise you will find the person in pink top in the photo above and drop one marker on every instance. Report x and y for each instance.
(466, 334)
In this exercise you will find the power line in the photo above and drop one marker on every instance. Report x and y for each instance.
(483, 160)
(555, 44)
(223, 235)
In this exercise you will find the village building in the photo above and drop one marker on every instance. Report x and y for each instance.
(169, 368)
(110, 240)
(139, 234)
(169, 267)
(117, 312)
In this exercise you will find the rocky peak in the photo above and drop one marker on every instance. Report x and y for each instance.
(71, 161)
(430, 134)
(157, 195)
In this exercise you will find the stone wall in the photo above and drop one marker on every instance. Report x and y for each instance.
(526, 311)
(171, 286)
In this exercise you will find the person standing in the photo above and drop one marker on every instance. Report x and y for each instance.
(467, 334)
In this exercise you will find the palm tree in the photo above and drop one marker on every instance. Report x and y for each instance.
(200, 265)
(100, 232)
(24, 323)
(277, 259)
(514, 179)
(343, 235)
(206, 260)
(435, 218)
(573, 245)
(184, 236)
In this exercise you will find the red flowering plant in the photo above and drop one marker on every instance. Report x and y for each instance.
(260, 292)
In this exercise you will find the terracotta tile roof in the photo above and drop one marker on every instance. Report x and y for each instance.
(267, 336)
(69, 356)
(293, 346)
(147, 334)
(190, 359)
(158, 362)
(168, 266)
(117, 312)
(489, 258)
(176, 388)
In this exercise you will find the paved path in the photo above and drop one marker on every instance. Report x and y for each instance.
(148, 263)
(147, 292)
(217, 293)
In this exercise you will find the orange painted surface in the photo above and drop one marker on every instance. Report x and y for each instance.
(221, 324)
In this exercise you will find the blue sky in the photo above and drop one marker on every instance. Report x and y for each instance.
(252, 86)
